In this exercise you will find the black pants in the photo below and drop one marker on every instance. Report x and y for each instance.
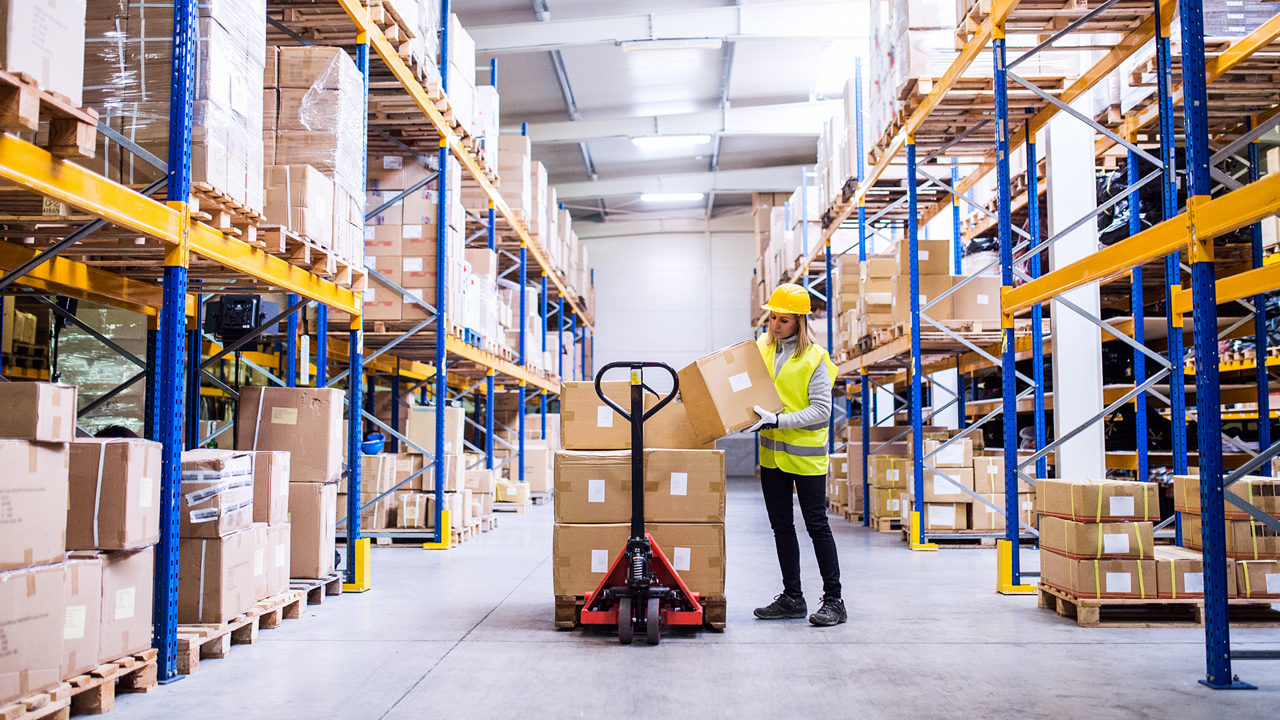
(812, 493)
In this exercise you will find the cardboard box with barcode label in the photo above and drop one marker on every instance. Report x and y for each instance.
(889, 472)
(421, 429)
(959, 454)
(128, 585)
(216, 577)
(934, 257)
(1258, 579)
(1098, 500)
(582, 554)
(311, 529)
(114, 501)
(1114, 541)
(587, 423)
(1113, 579)
(1180, 573)
(593, 486)
(510, 491)
(82, 594)
(40, 411)
(946, 487)
(885, 502)
(946, 516)
(270, 487)
(305, 422)
(720, 391)
(984, 518)
(217, 492)
(683, 486)
(32, 605)
(977, 300)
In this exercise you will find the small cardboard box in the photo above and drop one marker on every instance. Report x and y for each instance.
(128, 586)
(421, 429)
(270, 487)
(978, 300)
(311, 529)
(413, 509)
(885, 502)
(114, 499)
(1098, 500)
(277, 558)
(720, 391)
(1114, 541)
(958, 454)
(671, 428)
(889, 472)
(32, 605)
(538, 463)
(33, 498)
(1116, 579)
(407, 464)
(592, 486)
(984, 518)
(1180, 573)
(39, 411)
(305, 422)
(1258, 579)
(480, 480)
(82, 593)
(216, 577)
(988, 477)
(934, 258)
(586, 423)
(510, 491)
(946, 516)
(931, 287)
(682, 486)
(943, 488)
(217, 492)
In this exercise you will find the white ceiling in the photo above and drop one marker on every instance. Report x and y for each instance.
(785, 63)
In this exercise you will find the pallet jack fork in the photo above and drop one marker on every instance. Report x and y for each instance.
(642, 588)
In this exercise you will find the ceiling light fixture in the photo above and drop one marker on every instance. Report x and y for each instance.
(665, 142)
(672, 44)
(672, 197)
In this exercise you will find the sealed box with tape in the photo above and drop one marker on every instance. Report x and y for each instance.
(305, 422)
(45, 412)
(1258, 579)
(1116, 541)
(683, 486)
(593, 487)
(114, 499)
(33, 607)
(1132, 579)
(1098, 500)
(720, 391)
(216, 577)
(217, 493)
(1180, 573)
(270, 487)
(128, 585)
(34, 491)
(587, 423)
(82, 593)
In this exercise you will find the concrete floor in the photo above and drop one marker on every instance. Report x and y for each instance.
(468, 634)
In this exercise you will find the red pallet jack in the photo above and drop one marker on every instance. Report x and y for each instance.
(641, 587)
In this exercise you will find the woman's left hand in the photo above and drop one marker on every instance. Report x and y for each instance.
(767, 421)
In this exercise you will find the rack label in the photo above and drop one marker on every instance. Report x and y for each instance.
(679, 483)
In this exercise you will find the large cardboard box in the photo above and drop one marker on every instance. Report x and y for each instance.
(720, 391)
(1246, 539)
(983, 518)
(45, 40)
(1261, 492)
(33, 503)
(956, 455)
(696, 551)
(480, 480)
(934, 256)
(38, 411)
(1180, 573)
(889, 472)
(592, 486)
(114, 501)
(1115, 541)
(586, 423)
(421, 429)
(511, 491)
(270, 487)
(412, 510)
(885, 502)
(32, 606)
(946, 516)
(944, 488)
(277, 558)
(671, 428)
(538, 463)
(305, 422)
(931, 287)
(217, 492)
(216, 577)
(128, 587)
(582, 554)
(311, 529)
(1258, 579)
(979, 300)
(988, 477)
(1098, 500)
(682, 486)
(1117, 579)
(82, 595)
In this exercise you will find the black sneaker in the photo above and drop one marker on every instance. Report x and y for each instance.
(783, 607)
(831, 612)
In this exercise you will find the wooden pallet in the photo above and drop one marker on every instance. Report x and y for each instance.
(852, 514)
(488, 522)
(886, 524)
(214, 640)
(510, 507)
(569, 612)
(73, 131)
(540, 498)
(316, 590)
(226, 214)
(93, 693)
(1158, 612)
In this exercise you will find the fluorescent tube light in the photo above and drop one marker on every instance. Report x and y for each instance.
(672, 44)
(671, 197)
(665, 142)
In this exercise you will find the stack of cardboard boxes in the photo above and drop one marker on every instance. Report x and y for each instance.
(844, 481)
(377, 476)
(1253, 549)
(218, 541)
(415, 506)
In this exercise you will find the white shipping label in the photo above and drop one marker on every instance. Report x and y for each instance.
(895, 505)
(284, 416)
(944, 515)
(924, 300)
(284, 489)
(124, 603)
(259, 562)
(411, 264)
(1115, 543)
(1122, 506)
(1193, 582)
(844, 469)
(599, 561)
(1028, 505)
(943, 486)
(892, 475)
(923, 255)
(1119, 583)
(392, 162)
(369, 233)
(1273, 583)
(951, 455)
(73, 625)
(679, 483)
(282, 555)
(411, 232)
(410, 512)
(604, 416)
(595, 491)
(981, 299)
(680, 559)
(740, 382)
(146, 486)
(992, 470)
(448, 447)
(512, 490)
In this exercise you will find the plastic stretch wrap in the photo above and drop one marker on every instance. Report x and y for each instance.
(128, 58)
(320, 117)
(96, 369)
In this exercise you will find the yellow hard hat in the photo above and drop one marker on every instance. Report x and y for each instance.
(789, 298)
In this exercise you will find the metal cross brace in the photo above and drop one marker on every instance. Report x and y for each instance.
(391, 285)
(939, 473)
(134, 148)
(371, 214)
(71, 318)
(956, 336)
(1234, 146)
(110, 394)
(429, 161)
(496, 437)
(1084, 119)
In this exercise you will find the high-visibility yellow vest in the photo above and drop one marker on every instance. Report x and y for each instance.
(803, 452)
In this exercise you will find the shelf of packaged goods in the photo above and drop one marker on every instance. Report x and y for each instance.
(472, 170)
(485, 359)
(34, 169)
(10, 371)
(1128, 460)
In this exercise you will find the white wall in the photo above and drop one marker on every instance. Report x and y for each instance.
(670, 290)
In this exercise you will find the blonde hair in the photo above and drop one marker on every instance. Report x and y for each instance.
(803, 339)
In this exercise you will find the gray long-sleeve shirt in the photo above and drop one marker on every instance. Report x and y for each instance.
(815, 416)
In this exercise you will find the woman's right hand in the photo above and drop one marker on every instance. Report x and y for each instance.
(768, 420)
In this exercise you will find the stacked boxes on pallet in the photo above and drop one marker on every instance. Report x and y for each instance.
(421, 430)
(844, 480)
(377, 477)
(989, 482)
(1253, 549)
(216, 567)
(1096, 538)
(947, 506)
(45, 42)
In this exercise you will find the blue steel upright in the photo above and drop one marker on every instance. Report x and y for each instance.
(1139, 332)
(442, 267)
(1037, 312)
(195, 352)
(1008, 369)
(1205, 322)
(573, 337)
(917, 394)
(522, 391)
(862, 257)
(355, 375)
(488, 377)
(1260, 323)
(170, 352)
(957, 249)
(866, 445)
(291, 344)
(542, 397)
(322, 345)
(560, 339)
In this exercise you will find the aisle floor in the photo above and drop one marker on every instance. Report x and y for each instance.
(468, 633)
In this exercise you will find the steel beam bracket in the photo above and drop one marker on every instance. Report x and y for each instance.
(1199, 249)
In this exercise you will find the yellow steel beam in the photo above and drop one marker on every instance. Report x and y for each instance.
(1237, 287)
(1208, 219)
(412, 369)
(75, 279)
(475, 354)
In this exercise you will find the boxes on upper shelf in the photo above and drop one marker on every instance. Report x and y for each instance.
(421, 429)
(34, 488)
(114, 501)
(45, 41)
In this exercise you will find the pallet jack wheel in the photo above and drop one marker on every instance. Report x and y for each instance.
(651, 621)
(626, 625)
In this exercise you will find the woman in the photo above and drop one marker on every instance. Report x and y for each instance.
(793, 453)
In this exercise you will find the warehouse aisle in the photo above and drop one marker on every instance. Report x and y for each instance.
(468, 634)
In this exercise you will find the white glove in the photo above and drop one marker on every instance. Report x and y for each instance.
(768, 420)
